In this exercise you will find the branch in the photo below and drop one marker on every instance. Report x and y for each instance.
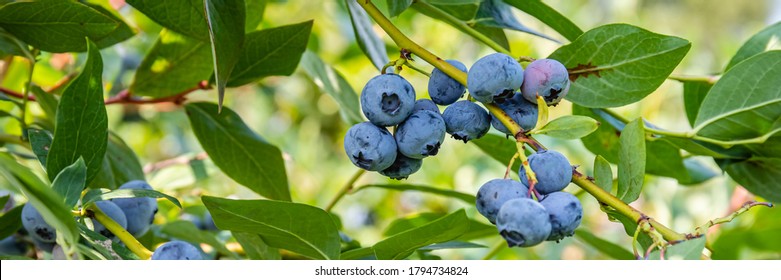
(126, 97)
(131, 242)
(345, 189)
(403, 42)
(748, 205)
(152, 167)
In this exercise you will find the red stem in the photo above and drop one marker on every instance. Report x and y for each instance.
(125, 97)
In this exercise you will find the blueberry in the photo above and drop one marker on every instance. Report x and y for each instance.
(402, 167)
(425, 104)
(493, 194)
(177, 250)
(552, 170)
(197, 221)
(565, 212)
(443, 89)
(523, 222)
(521, 111)
(44, 246)
(12, 246)
(466, 120)
(548, 78)
(34, 224)
(421, 134)
(112, 211)
(387, 99)
(208, 222)
(494, 77)
(369, 146)
(139, 211)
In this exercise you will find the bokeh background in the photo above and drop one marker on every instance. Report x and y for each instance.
(304, 122)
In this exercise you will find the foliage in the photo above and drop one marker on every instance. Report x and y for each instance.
(91, 90)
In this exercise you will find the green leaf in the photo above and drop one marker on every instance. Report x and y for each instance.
(569, 127)
(631, 161)
(495, 13)
(110, 250)
(663, 157)
(255, 10)
(123, 162)
(334, 84)
(121, 33)
(47, 101)
(468, 198)
(226, 35)
(395, 7)
(433, 11)
(476, 229)
(41, 142)
(754, 113)
(371, 44)
(462, 9)
(359, 254)
(183, 16)
(687, 250)
(452, 245)
(238, 151)
(42, 197)
(60, 26)
(9, 46)
(758, 175)
(70, 182)
(603, 174)
(187, 231)
(299, 228)
(174, 64)
(270, 52)
(104, 194)
(606, 247)
(10, 221)
(499, 148)
(82, 125)
(549, 16)
(255, 247)
(767, 39)
(403, 244)
(618, 64)
(693, 94)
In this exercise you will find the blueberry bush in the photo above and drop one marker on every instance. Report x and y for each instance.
(398, 129)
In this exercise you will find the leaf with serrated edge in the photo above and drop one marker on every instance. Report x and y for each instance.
(299, 228)
(631, 161)
(238, 151)
(403, 244)
(618, 64)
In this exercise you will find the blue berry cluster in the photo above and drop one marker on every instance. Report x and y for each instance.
(524, 221)
(388, 100)
(134, 215)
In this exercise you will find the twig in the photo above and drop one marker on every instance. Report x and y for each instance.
(155, 166)
(748, 205)
(345, 189)
(126, 97)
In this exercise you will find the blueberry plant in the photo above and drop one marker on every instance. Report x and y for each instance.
(74, 189)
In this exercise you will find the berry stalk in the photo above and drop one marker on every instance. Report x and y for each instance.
(123, 235)
(403, 42)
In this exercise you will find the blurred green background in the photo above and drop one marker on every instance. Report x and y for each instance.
(304, 122)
